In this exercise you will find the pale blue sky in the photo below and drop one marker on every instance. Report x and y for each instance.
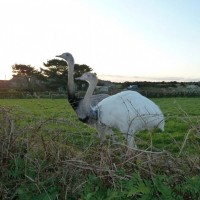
(122, 40)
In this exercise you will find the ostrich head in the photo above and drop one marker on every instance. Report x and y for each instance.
(91, 78)
(68, 57)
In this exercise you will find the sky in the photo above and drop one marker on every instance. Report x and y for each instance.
(121, 40)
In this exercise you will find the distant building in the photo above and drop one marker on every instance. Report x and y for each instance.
(102, 89)
(4, 84)
(132, 87)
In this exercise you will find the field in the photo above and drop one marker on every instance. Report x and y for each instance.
(47, 153)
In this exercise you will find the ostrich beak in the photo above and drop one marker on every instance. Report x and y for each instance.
(59, 56)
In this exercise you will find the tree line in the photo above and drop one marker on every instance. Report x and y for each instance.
(52, 77)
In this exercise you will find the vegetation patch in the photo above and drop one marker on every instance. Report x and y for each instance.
(46, 153)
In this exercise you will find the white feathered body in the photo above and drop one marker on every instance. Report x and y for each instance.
(130, 112)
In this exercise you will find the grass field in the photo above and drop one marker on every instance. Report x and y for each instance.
(47, 153)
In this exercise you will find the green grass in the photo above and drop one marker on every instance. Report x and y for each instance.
(47, 153)
(182, 115)
(48, 116)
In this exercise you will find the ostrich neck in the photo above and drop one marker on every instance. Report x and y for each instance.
(86, 100)
(71, 88)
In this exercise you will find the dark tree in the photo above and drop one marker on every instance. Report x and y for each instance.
(24, 71)
(53, 76)
(56, 73)
(25, 76)
(80, 69)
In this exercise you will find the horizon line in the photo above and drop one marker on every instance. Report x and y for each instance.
(123, 78)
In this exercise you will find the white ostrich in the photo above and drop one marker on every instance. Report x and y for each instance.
(128, 111)
(75, 102)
